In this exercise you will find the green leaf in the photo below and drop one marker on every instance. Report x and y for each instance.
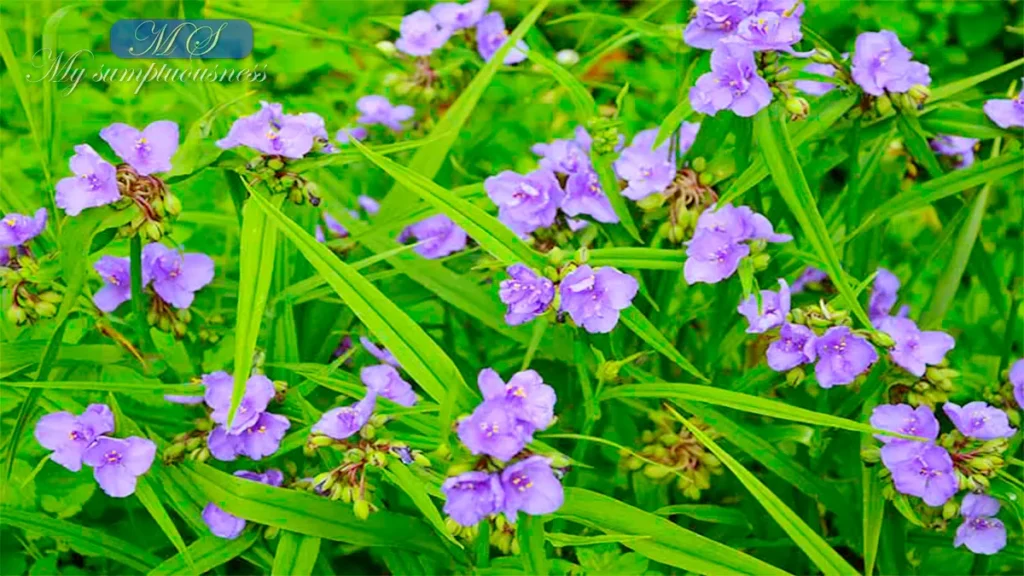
(530, 533)
(139, 304)
(87, 541)
(610, 184)
(649, 333)
(581, 98)
(917, 142)
(953, 88)
(258, 241)
(823, 556)
(777, 151)
(151, 502)
(208, 553)
(960, 121)
(707, 513)
(401, 476)
(671, 123)
(560, 540)
(21, 89)
(874, 514)
(668, 543)
(344, 157)
(296, 554)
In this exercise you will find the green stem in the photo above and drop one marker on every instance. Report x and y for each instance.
(138, 305)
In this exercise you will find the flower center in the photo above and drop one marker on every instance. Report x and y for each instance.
(10, 222)
(142, 146)
(490, 429)
(113, 280)
(518, 391)
(112, 457)
(521, 482)
(75, 435)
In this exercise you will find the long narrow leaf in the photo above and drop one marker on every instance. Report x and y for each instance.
(649, 333)
(296, 554)
(530, 533)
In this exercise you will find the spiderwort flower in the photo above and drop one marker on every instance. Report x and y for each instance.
(584, 195)
(712, 256)
(646, 172)
(117, 287)
(979, 420)
(960, 148)
(716, 20)
(914, 348)
(493, 429)
(438, 237)
(374, 109)
(368, 204)
(593, 298)
(842, 356)
(421, 34)
(563, 157)
(530, 485)
(384, 381)
(349, 133)
(1017, 381)
(644, 141)
(1006, 113)
(69, 436)
(94, 183)
(259, 390)
(147, 151)
(336, 229)
(526, 294)
(814, 87)
(491, 36)
(454, 16)
(176, 276)
(810, 275)
(794, 347)
(342, 422)
(904, 419)
(17, 229)
(926, 472)
(774, 307)
(732, 84)
(472, 496)
(981, 532)
(271, 132)
(257, 441)
(379, 352)
(884, 293)
(229, 526)
(526, 395)
(117, 463)
(739, 223)
(768, 30)
(525, 202)
(881, 63)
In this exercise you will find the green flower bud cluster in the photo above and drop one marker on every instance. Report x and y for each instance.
(270, 170)
(671, 452)
(32, 302)
(679, 206)
(976, 461)
(190, 445)
(157, 205)
(166, 318)
(1000, 395)
(503, 535)
(605, 133)
(211, 331)
(931, 390)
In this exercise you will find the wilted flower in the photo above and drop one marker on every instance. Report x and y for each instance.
(421, 34)
(774, 307)
(842, 356)
(347, 134)
(117, 283)
(69, 436)
(810, 275)
(915, 349)
(259, 390)
(1006, 113)
(530, 485)
(438, 236)
(94, 183)
(1017, 381)
(472, 496)
(980, 531)
(227, 525)
(529, 399)
(733, 83)
(17, 229)
(271, 132)
(904, 419)
(584, 195)
(493, 429)
(491, 36)
(593, 298)
(384, 381)
(814, 87)
(925, 471)
(374, 109)
(454, 16)
(525, 202)
(148, 151)
(794, 347)
(881, 63)
(526, 294)
(340, 423)
(979, 420)
(176, 276)
(117, 463)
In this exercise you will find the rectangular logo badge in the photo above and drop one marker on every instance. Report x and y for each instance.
(188, 39)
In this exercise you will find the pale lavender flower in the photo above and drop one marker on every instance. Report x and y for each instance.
(842, 356)
(526, 294)
(794, 347)
(271, 132)
(259, 391)
(739, 223)
(454, 16)
(340, 423)
(94, 183)
(960, 148)
(814, 87)
(881, 63)
(645, 172)
(147, 151)
(491, 36)
(1006, 113)
(765, 31)
(915, 349)
(981, 532)
(421, 34)
(712, 256)
(335, 228)
(117, 283)
(884, 293)
(530, 400)
(17, 229)
(563, 157)
(715, 20)
(346, 135)
(472, 496)
(530, 486)
(584, 195)
(644, 140)
(593, 298)
(438, 237)
(264, 437)
(374, 109)
(176, 276)
(221, 523)
(773, 310)
(809, 276)
(117, 463)
(732, 84)
(379, 352)
(493, 429)
(69, 436)
(979, 420)
(368, 204)
(576, 224)
(904, 419)
(926, 471)
(1017, 381)
(525, 202)
(385, 382)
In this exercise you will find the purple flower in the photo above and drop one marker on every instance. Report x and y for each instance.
(259, 390)
(842, 356)
(716, 20)
(814, 87)
(222, 524)
(740, 223)
(383, 380)
(962, 149)
(374, 109)
(979, 420)
(69, 435)
(257, 441)
(117, 283)
(345, 135)
(531, 486)
(1017, 381)
(491, 36)
(176, 276)
(774, 307)
(767, 30)
(576, 224)
(336, 228)
(915, 349)
(117, 463)
(881, 63)
(926, 472)
(94, 183)
(584, 195)
(472, 496)
(149, 151)
(340, 423)
(525, 202)
(732, 83)
(810, 275)
(794, 347)
(712, 256)
(368, 204)
(563, 157)
(980, 531)
(421, 34)
(272, 132)
(438, 237)
(272, 477)
(1006, 113)
(454, 16)
(526, 395)
(379, 352)
(644, 140)
(343, 347)
(493, 429)
(884, 293)
(593, 298)
(904, 419)
(17, 229)
(526, 294)
(646, 172)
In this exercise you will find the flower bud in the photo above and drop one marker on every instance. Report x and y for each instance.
(883, 105)
(386, 48)
(882, 339)
(203, 455)
(669, 439)
(798, 107)
(699, 164)
(51, 296)
(45, 309)
(420, 459)
(174, 451)
(321, 441)
(795, 376)
(368, 432)
(193, 443)
(172, 204)
(919, 93)
(657, 472)
(204, 424)
(271, 532)
(797, 316)
(324, 481)
(706, 179)
(821, 56)
(17, 314)
(871, 455)
(761, 261)
(652, 202)
(361, 509)
(567, 57)
(275, 164)
(950, 509)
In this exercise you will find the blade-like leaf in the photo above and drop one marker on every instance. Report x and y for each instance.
(401, 476)
(953, 88)
(649, 333)
(638, 258)
(208, 553)
(581, 98)
(917, 142)
(296, 554)
(530, 533)
(680, 113)
(610, 184)
(151, 502)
